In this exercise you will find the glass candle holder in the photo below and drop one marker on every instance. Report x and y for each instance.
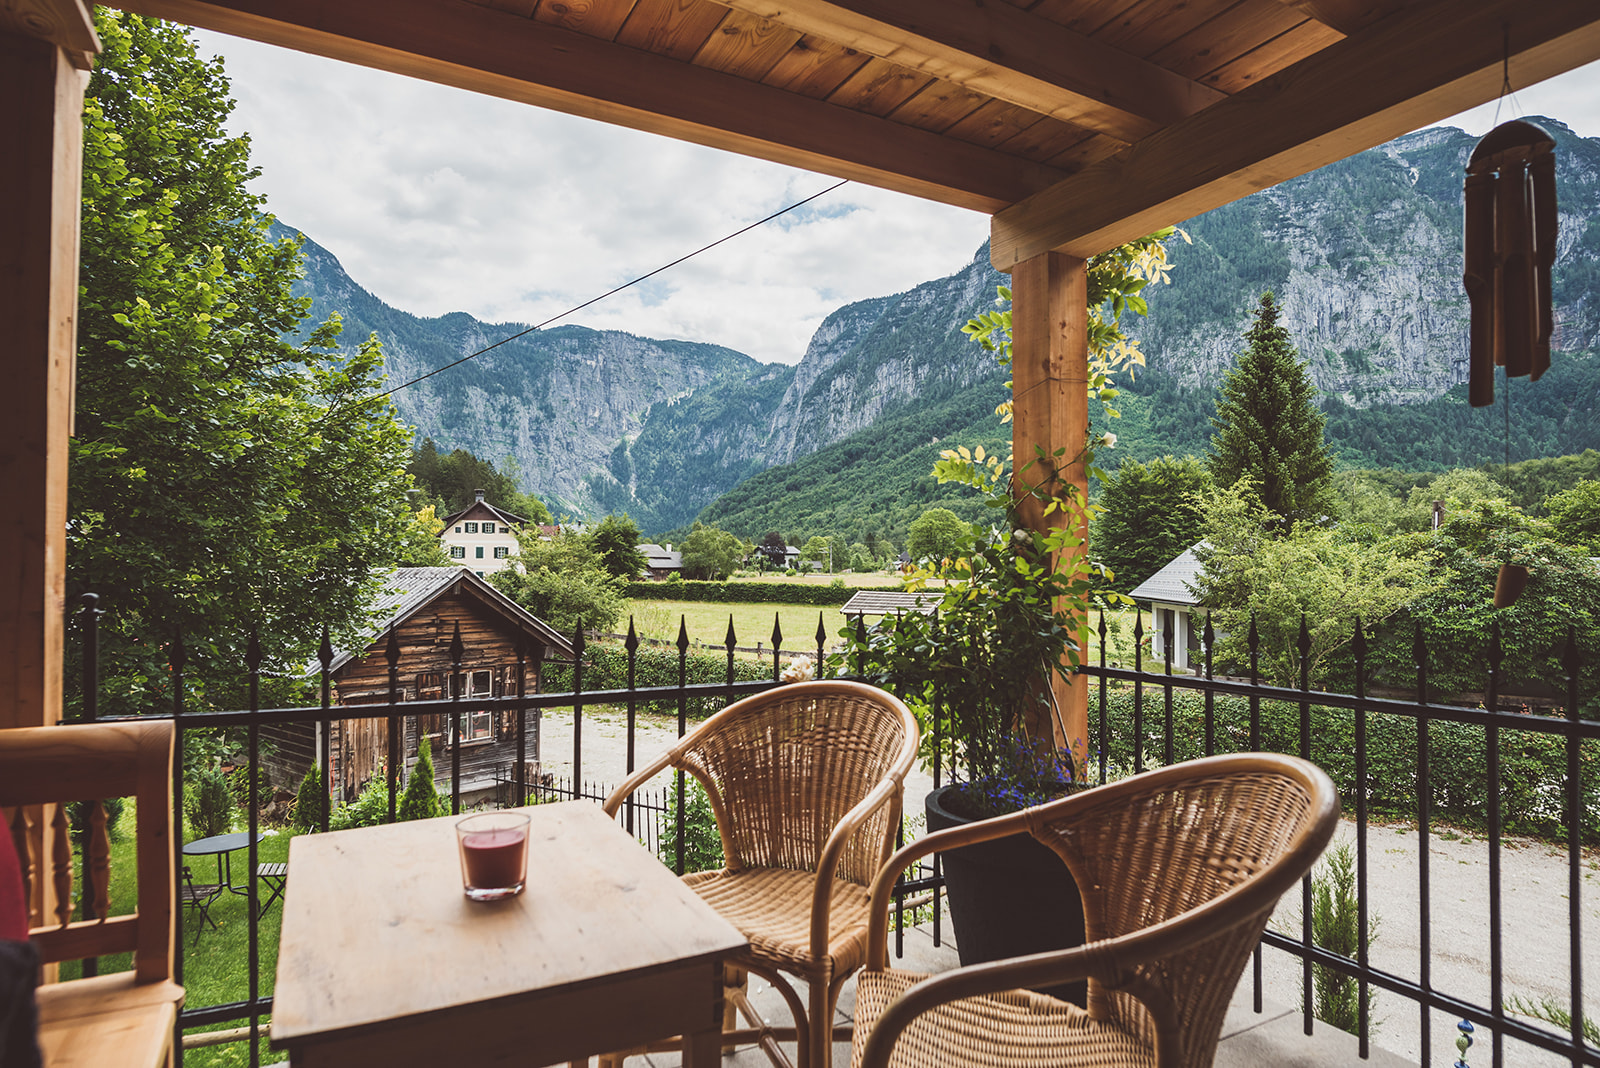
(494, 854)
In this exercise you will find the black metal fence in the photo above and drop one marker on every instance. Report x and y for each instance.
(1412, 759)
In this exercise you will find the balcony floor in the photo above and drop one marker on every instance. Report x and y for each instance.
(1274, 1038)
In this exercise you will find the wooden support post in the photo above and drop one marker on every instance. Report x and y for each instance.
(41, 140)
(1049, 387)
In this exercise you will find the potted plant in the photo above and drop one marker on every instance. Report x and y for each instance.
(1012, 616)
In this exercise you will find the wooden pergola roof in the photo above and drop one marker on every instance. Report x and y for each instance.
(1079, 124)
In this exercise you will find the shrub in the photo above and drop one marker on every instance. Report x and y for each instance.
(606, 668)
(209, 805)
(702, 844)
(308, 801)
(78, 813)
(1335, 926)
(421, 800)
(748, 592)
(370, 809)
(1533, 764)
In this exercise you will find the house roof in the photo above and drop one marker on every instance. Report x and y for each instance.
(488, 511)
(409, 590)
(885, 602)
(661, 558)
(1174, 583)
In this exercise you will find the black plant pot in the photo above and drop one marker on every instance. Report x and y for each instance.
(1008, 898)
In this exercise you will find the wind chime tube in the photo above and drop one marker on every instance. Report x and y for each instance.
(1542, 172)
(1510, 230)
(1478, 278)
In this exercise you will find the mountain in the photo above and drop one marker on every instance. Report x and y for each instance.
(1364, 257)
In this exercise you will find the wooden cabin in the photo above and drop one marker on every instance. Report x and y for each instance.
(426, 607)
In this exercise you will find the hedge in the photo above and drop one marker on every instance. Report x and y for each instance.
(606, 668)
(749, 592)
(1533, 764)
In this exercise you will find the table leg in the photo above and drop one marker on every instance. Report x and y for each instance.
(703, 1049)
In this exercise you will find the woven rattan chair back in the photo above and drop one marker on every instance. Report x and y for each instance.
(1178, 869)
(783, 767)
(1149, 851)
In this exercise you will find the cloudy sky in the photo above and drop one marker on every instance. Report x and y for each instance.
(440, 200)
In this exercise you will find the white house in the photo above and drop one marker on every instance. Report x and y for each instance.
(481, 536)
(1173, 605)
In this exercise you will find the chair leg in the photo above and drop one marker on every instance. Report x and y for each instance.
(820, 1025)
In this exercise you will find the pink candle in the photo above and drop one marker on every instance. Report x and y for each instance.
(494, 854)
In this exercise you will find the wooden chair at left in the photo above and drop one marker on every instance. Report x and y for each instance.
(124, 1018)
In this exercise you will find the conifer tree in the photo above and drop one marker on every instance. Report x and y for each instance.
(1268, 428)
(421, 799)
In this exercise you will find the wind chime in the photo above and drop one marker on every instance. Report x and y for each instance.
(1510, 228)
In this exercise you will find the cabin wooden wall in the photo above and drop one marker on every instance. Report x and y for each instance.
(359, 748)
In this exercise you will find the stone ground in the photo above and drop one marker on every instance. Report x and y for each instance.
(1534, 939)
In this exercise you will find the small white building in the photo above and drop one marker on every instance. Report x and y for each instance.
(1173, 609)
(481, 537)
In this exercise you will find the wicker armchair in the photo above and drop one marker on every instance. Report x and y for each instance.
(803, 778)
(1179, 870)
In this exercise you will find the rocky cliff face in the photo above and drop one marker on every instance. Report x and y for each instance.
(1364, 256)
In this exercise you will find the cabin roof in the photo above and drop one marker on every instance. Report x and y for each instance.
(410, 590)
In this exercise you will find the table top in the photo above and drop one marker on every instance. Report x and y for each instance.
(220, 843)
(376, 910)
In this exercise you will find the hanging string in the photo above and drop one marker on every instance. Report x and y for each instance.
(1505, 75)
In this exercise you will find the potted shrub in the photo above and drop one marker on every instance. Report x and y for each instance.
(1012, 616)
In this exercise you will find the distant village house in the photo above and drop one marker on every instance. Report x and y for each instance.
(1173, 608)
(481, 536)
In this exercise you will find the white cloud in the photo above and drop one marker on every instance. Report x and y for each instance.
(440, 200)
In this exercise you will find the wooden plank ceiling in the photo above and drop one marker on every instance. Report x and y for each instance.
(1078, 123)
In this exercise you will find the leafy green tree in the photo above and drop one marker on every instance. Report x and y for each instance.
(451, 481)
(420, 545)
(937, 534)
(861, 558)
(1268, 428)
(774, 549)
(710, 553)
(818, 550)
(1575, 516)
(421, 800)
(220, 477)
(615, 539)
(1152, 513)
(561, 580)
(1251, 567)
(308, 801)
(1458, 614)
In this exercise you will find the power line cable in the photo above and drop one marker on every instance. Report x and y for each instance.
(618, 289)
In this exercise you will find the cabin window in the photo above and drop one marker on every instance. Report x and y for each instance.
(501, 552)
(458, 528)
(430, 686)
(480, 552)
(458, 552)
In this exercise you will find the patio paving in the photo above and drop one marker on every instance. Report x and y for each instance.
(1272, 1038)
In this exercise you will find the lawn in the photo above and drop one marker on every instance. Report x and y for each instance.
(215, 971)
(752, 623)
(851, 578)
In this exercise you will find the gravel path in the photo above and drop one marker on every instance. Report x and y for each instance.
(1534, 877)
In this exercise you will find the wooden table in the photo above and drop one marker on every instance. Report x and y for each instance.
(384, 961)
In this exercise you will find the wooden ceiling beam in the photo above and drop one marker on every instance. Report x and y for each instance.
(1415, 68)
(67, 24)
(1347, 16)
(474, 47)
(1004, 52)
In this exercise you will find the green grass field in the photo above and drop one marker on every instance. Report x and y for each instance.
(215, 971)
(752, 623)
